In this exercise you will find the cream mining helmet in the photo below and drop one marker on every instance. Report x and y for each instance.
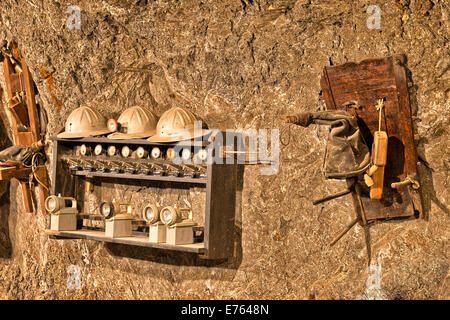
(84, 122)
(135, 122)
(177, 124)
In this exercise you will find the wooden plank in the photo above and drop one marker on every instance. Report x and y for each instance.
(8, 71)
(95, 140)
(28, 202)
(63, 182)
(135, 240)
(220, 211)
(12, 172)
(19, 111)
(31, 102)
(16, 82)
(406, 125)
(360, 77)
(41, 174)
(24, 138)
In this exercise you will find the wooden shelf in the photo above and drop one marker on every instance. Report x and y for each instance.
(220, 184)
(136, 240)
(139, 176)
(128, 141)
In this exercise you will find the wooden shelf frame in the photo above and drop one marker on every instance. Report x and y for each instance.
(220, 201)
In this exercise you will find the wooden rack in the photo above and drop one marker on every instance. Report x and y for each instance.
(219, 215)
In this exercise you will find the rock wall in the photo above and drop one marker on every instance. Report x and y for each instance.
(237, 64)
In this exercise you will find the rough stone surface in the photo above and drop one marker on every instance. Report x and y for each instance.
(237, 64)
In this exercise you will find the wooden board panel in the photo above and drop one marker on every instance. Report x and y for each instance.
(135, 240)
(27, 201)
(24, 138)
(62, 181)
(16, 82)
(31, 102)
(366, 82)
(220, 210)
(8, 72)
(12, 172)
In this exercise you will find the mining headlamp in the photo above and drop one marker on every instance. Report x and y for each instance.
(126, 152)
(186, 154)
(170, 215)
(112, 125)
(85, 150)
(151, 213)
(112, 209)
(56, 204)
(170, 153)
(98, 150)
(156, 153)
(111, 151)
(203, 154)
(141, 153)
(107, 209)
(51, 204)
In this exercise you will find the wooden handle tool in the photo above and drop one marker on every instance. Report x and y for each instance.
(379, 157)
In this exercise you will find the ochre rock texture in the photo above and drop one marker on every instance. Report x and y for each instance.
(237, 64)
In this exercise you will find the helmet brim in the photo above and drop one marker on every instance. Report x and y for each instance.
(73, 135)
(185, 135)
(119, 135)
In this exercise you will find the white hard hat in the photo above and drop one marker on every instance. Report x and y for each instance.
(84, 122)
(177, 124)
(135, 122)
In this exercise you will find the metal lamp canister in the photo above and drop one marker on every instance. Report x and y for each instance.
(60, 205)
(98, 150)
(126, 152)
(111, 151)
(115, 211)
(63, 212)
(157, 230)
(156, 153)
(150, 213)
(171, 215)
(85, 150)
(179, 225)
(118, 219)
(140, 153)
